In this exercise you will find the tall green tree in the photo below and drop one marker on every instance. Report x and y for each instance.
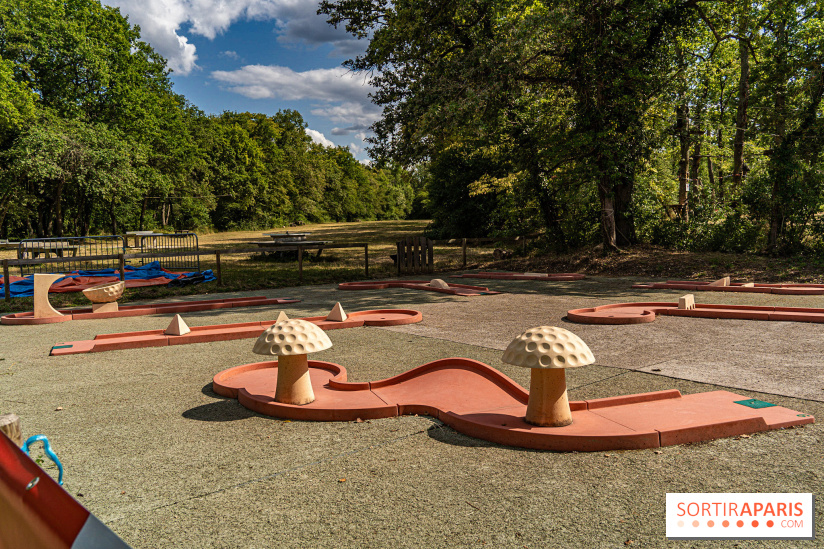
(467, 71)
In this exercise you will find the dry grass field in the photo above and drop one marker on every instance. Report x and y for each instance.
(247, 272)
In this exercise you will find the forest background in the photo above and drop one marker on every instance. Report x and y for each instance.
(687, 124)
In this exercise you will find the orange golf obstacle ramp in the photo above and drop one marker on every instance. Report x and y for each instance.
(37, 513)
(479, 401)
(500, 275)
(639, 313)
(140, 310)
(226, 332)
(435, 285)
(724, 285)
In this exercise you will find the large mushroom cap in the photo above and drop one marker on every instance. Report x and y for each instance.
(292, 337)
(548, 347)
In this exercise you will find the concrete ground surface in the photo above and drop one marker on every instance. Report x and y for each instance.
(165, 462)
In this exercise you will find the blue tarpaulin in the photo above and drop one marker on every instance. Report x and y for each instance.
(79, 280)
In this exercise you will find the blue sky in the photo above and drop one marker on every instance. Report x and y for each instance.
(261, 56)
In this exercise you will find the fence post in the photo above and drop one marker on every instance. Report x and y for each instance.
(6, 289)
(430, 250)
(122, 261)
(366, 259)
(217, 268)
(463, 252)
(400, 256)
(300, 263)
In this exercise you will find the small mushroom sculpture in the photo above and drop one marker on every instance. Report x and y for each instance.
(291, 340)
(548, 351)
(104, 296)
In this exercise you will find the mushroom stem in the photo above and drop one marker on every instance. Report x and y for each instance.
(294, 385)
(548, 405)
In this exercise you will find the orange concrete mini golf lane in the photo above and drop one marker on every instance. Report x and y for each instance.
(454, 289)
(490, 406)
(691, 285)
(140, 310)
(558, 277)
(225, 332)
(638, 313)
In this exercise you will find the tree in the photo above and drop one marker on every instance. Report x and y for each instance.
(59, 170)
(467, 72)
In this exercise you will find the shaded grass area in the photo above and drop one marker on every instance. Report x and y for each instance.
(653, 262)
(248, 272)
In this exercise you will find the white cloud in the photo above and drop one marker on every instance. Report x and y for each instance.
(358, 115)
(162, 24)
(270, 81)
(339, 95)
(319, 138)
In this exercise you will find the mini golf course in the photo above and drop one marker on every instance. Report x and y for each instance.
(139, 310)
(451, 289)
(225, 332)
(490, 406)
(639, 313)
(554, 277)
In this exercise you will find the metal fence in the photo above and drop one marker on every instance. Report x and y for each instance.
(70, 247)
(183, 245)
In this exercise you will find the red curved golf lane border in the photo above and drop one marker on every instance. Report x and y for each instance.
(639, 313)
(757, 288)
(140, 310)
(225, 332)
(490, 406)
(555, 277)
(454, 289)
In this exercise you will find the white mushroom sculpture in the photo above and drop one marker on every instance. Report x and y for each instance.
(104, 296)
(548, 351)
(291, 340)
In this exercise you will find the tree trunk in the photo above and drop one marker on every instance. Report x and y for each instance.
(741, 119)
(776, 210)
(624, 221)
(113, 217)
(683, 128)
(58, 208)
(143, 213)
(607, 214)
(85, 216)
(711, 176)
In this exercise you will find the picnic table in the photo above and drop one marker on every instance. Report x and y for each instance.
(292, 245)
(58, 248)
(6, 245)
(138, 236)
(287, 236)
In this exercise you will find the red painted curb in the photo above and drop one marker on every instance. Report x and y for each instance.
(757, 288)
(638, 313)
(140, 310)
(226, 332)
(454, 289)
(555, 277)
(490, 406)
